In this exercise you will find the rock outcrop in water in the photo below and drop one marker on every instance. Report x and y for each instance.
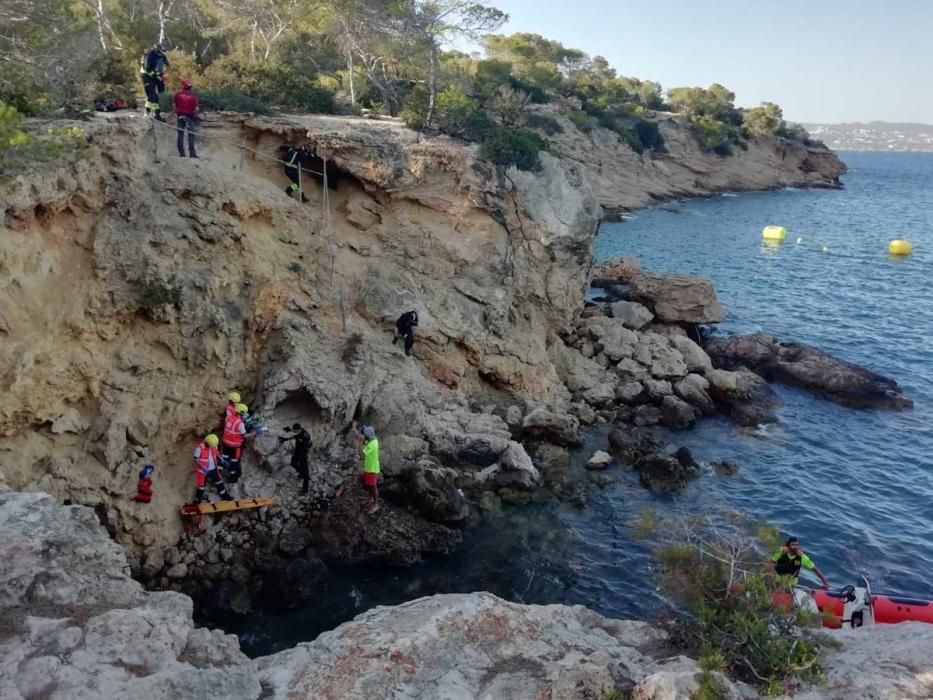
(808, 367)
(77, 627)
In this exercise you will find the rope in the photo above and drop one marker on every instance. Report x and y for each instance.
(239, 146)
(325, 196)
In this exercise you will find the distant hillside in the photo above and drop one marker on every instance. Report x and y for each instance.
(874, 136)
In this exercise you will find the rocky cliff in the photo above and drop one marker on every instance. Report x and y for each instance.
(625, 180)
(77, 626)
(138, 288)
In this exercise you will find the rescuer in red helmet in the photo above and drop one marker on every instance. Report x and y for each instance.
(186, 107)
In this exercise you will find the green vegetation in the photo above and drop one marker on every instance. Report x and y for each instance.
(20, 148)
(386, 56)
(713, 569)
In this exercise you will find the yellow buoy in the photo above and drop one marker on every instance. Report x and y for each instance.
(774, 233)
(900, 247)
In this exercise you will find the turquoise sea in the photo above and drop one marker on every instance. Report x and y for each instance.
(855, 485)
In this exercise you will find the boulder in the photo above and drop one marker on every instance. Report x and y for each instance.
(664, 473)
(583, 412)
(431, 490)
(655, 353)
(632, 314)
(348, 534)
(460, 437)
(560, 429)
(610, 335)
(599, 460)
(694, 389)
(677, 413)
(811, 368)
(677, 298)
(515, 468)
(600, 395)
(630, 370)
(513, 418)
(294, 539)
(69, 422)
(614, 270)
(647, 415)
(630, 392)
(658, 389)
(694, 356)
(551, 457)
(747, 397)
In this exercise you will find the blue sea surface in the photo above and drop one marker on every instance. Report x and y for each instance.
(855, 485)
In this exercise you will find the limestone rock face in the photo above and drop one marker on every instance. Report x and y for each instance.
(632, 314)
(678, 298)
(78, 627)
(466, 646)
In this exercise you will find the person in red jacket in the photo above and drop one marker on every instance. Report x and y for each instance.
(144, 488)
(186, 108)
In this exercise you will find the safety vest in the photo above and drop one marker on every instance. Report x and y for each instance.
(229, 412)
(232, 435)
(205, 457)
(788, 564)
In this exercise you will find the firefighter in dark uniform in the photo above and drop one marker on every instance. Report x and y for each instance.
(296, 158)
(405, 328)
(151, 70)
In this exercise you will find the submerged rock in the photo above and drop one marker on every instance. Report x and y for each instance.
(808, 367)
(599, 460)
(744, 395)
(665, 473)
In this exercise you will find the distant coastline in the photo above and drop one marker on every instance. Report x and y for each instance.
(874, 136)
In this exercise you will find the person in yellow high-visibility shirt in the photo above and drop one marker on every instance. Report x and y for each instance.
(790, 558)
(371, 466)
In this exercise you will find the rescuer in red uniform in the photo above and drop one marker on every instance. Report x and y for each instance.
(186, 108)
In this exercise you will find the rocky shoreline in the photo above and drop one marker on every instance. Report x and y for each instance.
(185, 293)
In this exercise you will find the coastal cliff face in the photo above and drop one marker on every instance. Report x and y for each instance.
(139, 288)
(77, 626)
(624, 180)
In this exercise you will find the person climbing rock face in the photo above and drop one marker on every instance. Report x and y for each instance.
(790, 558)
(405, 328)
(295, 160)
(303, 443)
(144, 487)
(371, 466)
(207, 466)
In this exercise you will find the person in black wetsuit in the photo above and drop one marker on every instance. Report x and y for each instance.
(303, 443)
(405, 328)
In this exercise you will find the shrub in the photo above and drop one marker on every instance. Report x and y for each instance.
(649, 134)
(491, 74)
(508, 106)
(714, 570)
(19, 149)
(519, 147)
(583, 121)
(273, 83)
(414, 110)
(455, 112)
(229, 100)
(544, 122)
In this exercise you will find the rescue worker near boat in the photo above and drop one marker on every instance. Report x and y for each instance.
(186, 108)
(789, 560)
(207, 466)
(151, 71)
(232, 444)
(295, 159)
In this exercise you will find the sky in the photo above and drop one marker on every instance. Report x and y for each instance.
(822, 61)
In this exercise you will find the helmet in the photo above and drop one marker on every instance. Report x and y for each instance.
(186, 84)
(233, 397)
(146, 471)
(212, 440)
(242, 408)
(369, 432)
(158, 46)
(296, 426)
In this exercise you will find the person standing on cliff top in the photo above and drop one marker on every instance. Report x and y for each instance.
(790, 558)
(303, 443)
(186, 108)
(371, 468)
(405, 328)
